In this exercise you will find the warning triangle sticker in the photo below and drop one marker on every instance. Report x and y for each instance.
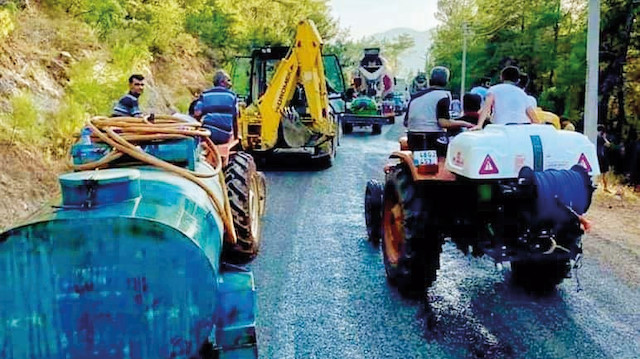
(584, 162)
(488, 166)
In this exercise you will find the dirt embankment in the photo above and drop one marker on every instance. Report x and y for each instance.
(27, 181)
(38, 58)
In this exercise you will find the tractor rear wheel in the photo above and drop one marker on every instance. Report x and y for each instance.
(411, 247)
(373, 210)
(542, 275)
(376, 129)
(246, 198)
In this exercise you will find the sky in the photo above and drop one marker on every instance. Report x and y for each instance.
(368, 17)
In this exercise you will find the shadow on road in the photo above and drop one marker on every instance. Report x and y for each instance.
(482, 314)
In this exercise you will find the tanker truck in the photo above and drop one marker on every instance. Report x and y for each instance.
(515, 193)
(374, 105)
(138, 256)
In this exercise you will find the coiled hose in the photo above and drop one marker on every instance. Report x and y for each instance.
(121, 133)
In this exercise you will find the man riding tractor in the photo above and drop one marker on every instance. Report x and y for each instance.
(428, 116)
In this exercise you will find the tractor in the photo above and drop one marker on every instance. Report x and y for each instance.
(515, 193)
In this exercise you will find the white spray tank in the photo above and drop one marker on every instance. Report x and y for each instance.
(501, 151)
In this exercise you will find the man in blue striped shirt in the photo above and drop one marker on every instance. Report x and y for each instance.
(128, 106)
(217, 109)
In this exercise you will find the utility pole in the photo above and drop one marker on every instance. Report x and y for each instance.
(464, 59)
(591, 93)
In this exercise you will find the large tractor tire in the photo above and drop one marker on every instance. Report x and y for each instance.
(246, 198)
(376, 129)
(373, 210)
(411, 248)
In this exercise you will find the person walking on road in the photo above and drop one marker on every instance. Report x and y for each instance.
(481, 87)
(566, 124)
(506, 102)
(128, 105)
(601, 147)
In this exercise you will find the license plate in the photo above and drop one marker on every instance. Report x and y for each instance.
(429, 157)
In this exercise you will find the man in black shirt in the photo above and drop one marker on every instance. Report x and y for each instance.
(128, 106)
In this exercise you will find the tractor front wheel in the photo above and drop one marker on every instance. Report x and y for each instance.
(542, 275)
(373, 210)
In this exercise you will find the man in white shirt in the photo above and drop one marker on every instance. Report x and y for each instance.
(506, 102)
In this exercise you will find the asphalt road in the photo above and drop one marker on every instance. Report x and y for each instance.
(322, 291)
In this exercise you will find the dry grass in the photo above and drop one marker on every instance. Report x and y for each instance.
(186, 75)
(27, 180)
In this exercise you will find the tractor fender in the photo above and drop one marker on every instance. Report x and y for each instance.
(406, 157)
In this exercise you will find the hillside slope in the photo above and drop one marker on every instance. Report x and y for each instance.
(48, 62)
(54, 61)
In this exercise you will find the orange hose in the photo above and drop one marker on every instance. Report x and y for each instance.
(122, 132)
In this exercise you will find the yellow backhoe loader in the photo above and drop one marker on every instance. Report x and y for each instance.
(292, 98)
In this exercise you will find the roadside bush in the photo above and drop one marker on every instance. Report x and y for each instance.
(63, 125)
(552, 100)
(105, 15)
(96, 83)
(22, 123)
(126, 56)
(91, 85)
(213, 27)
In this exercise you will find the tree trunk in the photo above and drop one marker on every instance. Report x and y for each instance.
(614, 52)
(556, 31)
